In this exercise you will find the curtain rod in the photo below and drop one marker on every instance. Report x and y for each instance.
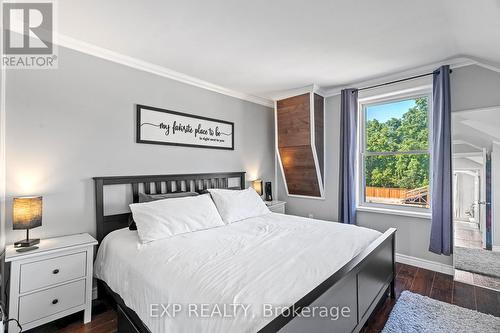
(397, 81)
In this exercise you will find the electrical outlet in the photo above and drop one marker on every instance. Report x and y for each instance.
(311, 215)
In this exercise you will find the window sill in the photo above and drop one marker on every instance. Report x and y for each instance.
(379, 210)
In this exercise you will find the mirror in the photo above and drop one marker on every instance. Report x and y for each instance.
(476, 196)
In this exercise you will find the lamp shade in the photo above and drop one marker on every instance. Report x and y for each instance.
(257, 185)
(27, 212)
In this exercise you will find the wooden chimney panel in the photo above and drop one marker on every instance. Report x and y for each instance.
(299, 141)
(300, 170)
(294, 121)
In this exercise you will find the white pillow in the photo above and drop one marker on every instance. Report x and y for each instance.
(166, 218)
(237, 205)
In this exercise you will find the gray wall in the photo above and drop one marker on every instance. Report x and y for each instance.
(67, 125)
(472, 87)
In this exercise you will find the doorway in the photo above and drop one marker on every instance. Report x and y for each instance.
(466, 208)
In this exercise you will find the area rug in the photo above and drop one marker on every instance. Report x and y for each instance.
(477, 261)
(416, 313)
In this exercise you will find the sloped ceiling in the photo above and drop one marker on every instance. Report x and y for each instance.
(260, 47)
(476, 128)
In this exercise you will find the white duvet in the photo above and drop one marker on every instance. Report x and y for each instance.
(223, 279)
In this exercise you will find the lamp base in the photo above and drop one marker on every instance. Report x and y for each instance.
(26, 249)
(27, 242)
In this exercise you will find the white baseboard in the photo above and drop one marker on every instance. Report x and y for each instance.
(496, 248)
(424, 263)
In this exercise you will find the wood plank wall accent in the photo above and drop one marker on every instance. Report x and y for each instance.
(295, 148)
(294, 121)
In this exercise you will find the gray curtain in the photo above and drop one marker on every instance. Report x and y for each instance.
(348, 142)
(441, 195)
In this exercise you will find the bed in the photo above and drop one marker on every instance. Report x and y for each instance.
(264, 274)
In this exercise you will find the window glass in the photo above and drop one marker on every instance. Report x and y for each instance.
(395, 153)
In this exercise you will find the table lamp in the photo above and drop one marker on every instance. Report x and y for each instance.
(257, 186)
(26, 214)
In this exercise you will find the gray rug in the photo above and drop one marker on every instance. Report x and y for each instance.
(477, 261)
(415, 313)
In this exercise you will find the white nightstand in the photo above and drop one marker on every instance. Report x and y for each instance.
(276, 206)
(51, 282)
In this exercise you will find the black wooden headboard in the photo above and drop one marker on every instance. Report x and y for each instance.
(196, 182)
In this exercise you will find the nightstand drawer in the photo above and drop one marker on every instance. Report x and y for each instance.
(47, 302)
(48, 272)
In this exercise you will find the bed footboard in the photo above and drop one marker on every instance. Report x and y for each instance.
(345, 301)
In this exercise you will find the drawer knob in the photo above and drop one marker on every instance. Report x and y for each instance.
(55, 301)
(55, 271)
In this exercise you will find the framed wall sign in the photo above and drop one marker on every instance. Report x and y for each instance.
(165, 127)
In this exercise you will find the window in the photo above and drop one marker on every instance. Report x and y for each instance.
(395, 158)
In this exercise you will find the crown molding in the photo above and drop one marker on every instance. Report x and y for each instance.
(103, 53)
(453, 62)
(486, 109)
(314, 88)
(293, 92)
(465, 142)
(492, 66)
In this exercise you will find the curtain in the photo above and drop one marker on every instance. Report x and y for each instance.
(441, 195)
(348, 142)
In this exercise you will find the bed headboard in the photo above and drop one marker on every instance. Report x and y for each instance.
(154, 184)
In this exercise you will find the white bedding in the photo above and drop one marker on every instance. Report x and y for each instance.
(230, 270)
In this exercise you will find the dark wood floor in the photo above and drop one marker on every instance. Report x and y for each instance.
(436, 285)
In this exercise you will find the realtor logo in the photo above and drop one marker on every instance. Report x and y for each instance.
(28, 35)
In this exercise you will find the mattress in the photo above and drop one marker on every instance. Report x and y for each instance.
(232, 278)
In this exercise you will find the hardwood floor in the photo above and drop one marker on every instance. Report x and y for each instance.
(436, 285)
(104, 320)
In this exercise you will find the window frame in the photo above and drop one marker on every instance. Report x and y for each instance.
(363, 103)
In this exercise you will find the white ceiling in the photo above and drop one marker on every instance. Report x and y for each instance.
(261, 47)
